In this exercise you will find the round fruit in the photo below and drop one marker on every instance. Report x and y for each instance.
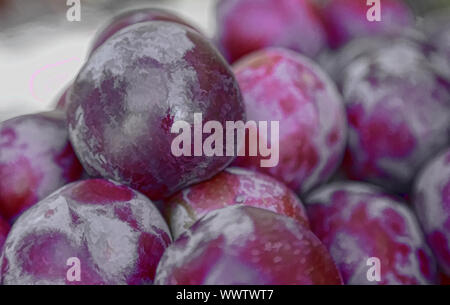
(282, 86)
(245, 26)
(432, 203)
(364, 230)
(36, 158)
(230, 187)
(398, 108)
(133, 17)
(348, 19)
(131, 92)
(112, 234)
(241, 245)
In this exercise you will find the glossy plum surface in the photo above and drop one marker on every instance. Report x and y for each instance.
(398, 108)
(247, 245)
(245, 26)
(357, 222)
(36, 158)
(130, 93)
(116, 233)
(431, 198)
(232, 186)
(283, 86)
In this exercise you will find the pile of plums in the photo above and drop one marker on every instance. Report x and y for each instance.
(102, 190)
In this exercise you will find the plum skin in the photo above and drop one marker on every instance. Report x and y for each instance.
(357, 221)
(245, 26)
(431, 199)
(230, 187)
(132, 17)
(281, 85)
(398, 109)
(36, 158)
(4, 230)
(117, 234)
(242, 244)
(129, 94)
(346, 20)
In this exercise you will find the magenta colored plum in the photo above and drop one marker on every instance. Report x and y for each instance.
(245, 26)
(230, 187)
(347, 19)
(4, 229)
(357, 222)
(398, 108)
(116, 233)
(36, 158)
(246, 245)
(133, 17)
(130, 93)
(280, 85)
(432, 203)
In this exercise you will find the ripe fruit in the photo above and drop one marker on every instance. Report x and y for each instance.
(246, 245)
(117, 235)
(36, 158)
(4, 229)
(230, 187)
(127, 97)
(347, 19)
(432, 203)
(398, 108)
(357, 222)
(280, 85)
(133, 17)
(245, 26)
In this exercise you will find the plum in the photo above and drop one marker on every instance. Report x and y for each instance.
(431, 199)
(230, 187)
(347, 19)
(245, 26)
(62, 102)
(4, 229)
(281, 85)
(36, 158)
(131, 92)
(358, 222)
(117, 235)
(398, 108)
(246, 245)
(132, 17)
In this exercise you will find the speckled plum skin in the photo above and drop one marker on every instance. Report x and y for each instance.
(36, 158)
(4, 229)
(357, 221)
(347, 19)
(133, 17)
(117, 234)
(246, 245)
(398, 108)
(280, 85)
(431, 198)
(245, 26)
(129, 94)
(230, 187)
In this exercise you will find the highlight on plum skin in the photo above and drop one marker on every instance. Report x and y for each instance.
(357, 221)
(281, 85)
(116, 233)
(230, 187)
(130, 92)
(36, 158)
(431, 199)
(132, 17)
(240, 245)
(346, 20)
(398, 110)
(245, 26)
